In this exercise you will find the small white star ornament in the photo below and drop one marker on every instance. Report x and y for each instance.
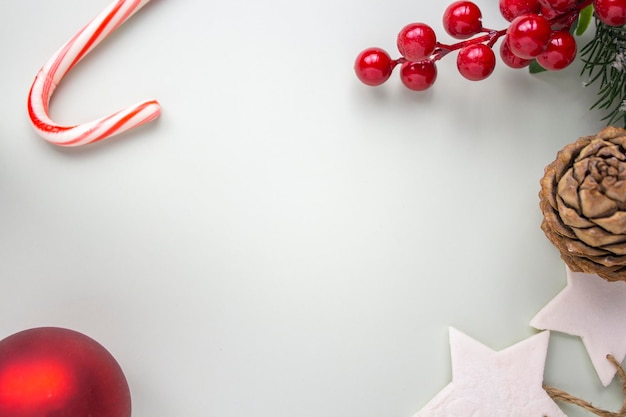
(595, 310)
(488, 383)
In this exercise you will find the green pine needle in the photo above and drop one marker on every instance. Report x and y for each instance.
(604, 60)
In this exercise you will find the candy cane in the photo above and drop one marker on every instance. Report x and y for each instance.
(63, 61)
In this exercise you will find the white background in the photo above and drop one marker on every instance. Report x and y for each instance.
(283, 241)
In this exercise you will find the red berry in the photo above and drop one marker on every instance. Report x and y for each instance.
(559, 6)
(510, 9)
(373, 66)
(560, 52)
(418, 76)
(416, 41)
(50, 371)
(611, 12)
(509, 58)
(529, 35)
(462, 19)
(476, 62)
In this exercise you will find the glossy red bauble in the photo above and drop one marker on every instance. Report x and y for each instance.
(462, 19)
(55, 372)
(561, 51)
(476, 62)
(510, 9)
(416, 41)
(373, 66)
(418, 76)
(509, 58)
(528, 35)
(611, 12)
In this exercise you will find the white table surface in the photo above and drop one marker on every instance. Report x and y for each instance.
(283, 241)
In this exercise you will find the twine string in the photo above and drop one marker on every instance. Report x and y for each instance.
(562, 396)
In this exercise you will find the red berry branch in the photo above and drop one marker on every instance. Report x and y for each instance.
(538, 30)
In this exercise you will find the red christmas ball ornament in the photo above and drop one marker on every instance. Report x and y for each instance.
(610, 12)
(462, 19)
(528, 35)
(373, 66)
(50, 371)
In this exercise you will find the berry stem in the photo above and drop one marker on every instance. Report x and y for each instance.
(442, 49)
(490, 38)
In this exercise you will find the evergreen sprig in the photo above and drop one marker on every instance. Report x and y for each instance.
(604, 59)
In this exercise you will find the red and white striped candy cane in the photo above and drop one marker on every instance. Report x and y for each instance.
(63, 61)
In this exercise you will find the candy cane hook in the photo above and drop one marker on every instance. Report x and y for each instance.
(63, 61)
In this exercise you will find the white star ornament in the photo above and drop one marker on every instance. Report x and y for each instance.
(595, 310)
(488, 383)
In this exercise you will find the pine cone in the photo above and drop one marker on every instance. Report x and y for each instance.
(583, 200)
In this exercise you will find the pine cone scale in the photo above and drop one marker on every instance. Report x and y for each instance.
(570, 216)
(595, 204)
(596, 237)
(615, 224)
(568, 190)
